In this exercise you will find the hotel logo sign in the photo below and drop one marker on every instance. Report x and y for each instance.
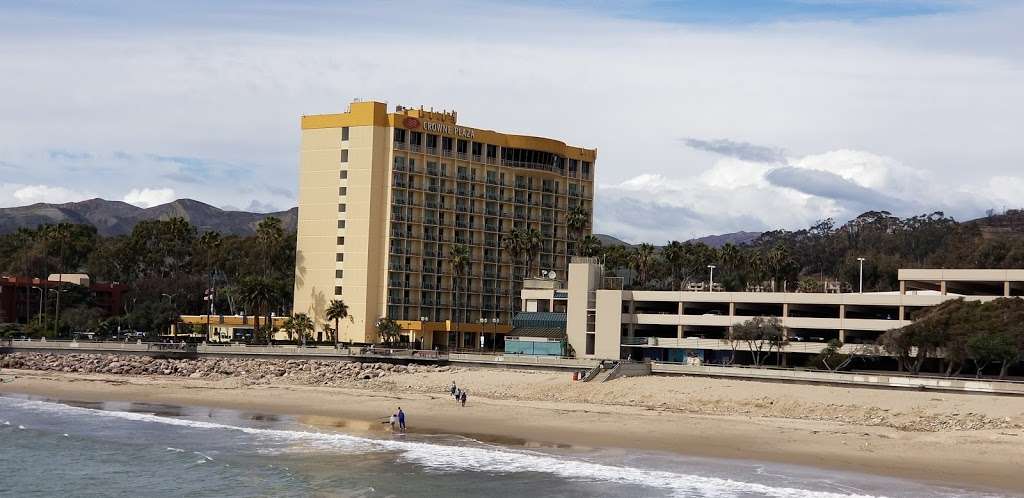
(447, 129)
(411, 123)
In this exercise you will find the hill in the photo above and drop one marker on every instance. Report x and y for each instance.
(737, 238)
(1010, 223)
(118, 218)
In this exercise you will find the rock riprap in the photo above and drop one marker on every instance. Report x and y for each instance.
(260, 371)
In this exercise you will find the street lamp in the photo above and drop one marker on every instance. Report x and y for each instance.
(711, 278)
(483, 327)
(423, 320)
(861, 288)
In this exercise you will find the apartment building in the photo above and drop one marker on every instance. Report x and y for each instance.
(385, 196)
(605, 321)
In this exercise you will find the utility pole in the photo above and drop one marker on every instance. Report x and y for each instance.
(39, 319)
(861, 286)
(60, 281)
(711, 278)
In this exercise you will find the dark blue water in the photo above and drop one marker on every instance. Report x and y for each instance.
(50, 448)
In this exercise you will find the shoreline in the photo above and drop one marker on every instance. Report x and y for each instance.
(986, 460)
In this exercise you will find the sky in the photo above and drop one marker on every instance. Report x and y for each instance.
(708, 116)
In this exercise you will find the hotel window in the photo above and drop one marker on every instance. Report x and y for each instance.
(339, 257)
(342, 190)
(344, 155)
(431, 141)
(341, 224)
(477, 148)
(337, 290)
(338, 273)
(492, 150)
(344, 174)
(586, 169)
(344, 133)
(446, 143)
(341, 208)
(416, 138)
(341, 241)
(399, 135)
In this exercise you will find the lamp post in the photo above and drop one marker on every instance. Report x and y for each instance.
(861, 286)
(483, 328)
(423, 320)
(711, 278)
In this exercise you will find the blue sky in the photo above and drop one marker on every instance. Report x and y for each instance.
(708, 116)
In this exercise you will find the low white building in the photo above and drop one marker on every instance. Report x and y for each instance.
(605, 321)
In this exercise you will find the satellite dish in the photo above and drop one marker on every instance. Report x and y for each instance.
(552, 275)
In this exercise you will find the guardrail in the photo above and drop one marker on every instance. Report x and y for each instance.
(523, 360)
(991, 386)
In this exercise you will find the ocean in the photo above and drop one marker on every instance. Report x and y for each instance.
(54, 448)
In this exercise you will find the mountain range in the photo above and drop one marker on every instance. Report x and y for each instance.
(118, 218)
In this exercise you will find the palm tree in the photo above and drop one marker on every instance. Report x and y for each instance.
(458, 259)
(337, 310)
(576, 220)
(512, 244)
(589, 246)
(675, 253)
(641, 261)
(270, 235)
(532, 241)
(258, 293)
(299, 324)
(388, 330)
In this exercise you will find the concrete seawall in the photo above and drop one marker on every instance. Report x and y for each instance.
(985, 386)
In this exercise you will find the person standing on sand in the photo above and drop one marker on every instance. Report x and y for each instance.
(462, 399)
(392, 421)
(401, 419)
(453, 388)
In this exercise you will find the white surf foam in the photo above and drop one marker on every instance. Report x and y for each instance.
(448, 458)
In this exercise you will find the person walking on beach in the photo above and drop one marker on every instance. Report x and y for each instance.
(393, 420)
(462, 399)
(453, 389)
(401, 419)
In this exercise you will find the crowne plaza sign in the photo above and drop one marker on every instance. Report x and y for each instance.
(447, 129)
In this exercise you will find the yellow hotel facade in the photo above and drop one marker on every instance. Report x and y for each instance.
(384, 196)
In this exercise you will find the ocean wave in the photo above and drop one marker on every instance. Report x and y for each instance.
(449, 458)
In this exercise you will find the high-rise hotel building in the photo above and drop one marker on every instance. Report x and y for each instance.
(384, 196)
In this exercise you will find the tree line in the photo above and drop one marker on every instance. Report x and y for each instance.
(808, 259)
(169, 266)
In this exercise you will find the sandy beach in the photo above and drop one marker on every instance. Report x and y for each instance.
(974, 441)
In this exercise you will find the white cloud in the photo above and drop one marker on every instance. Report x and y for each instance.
(735, 195)
(923, 109)
(19, 195)
(149, 197)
